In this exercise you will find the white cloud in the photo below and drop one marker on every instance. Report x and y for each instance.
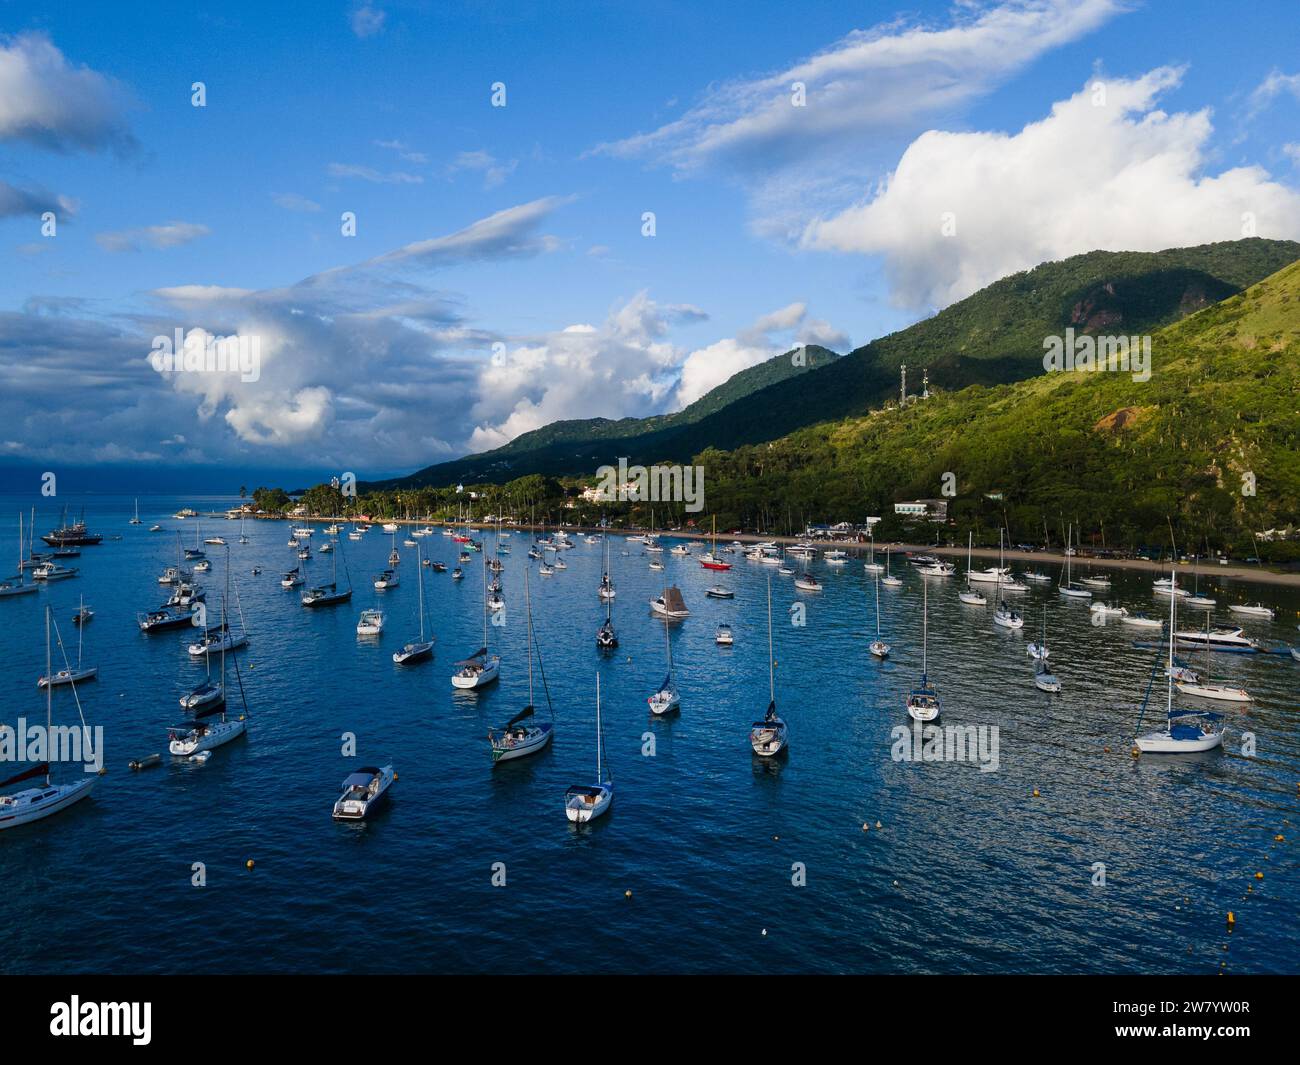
(291, 201)
(868, 82)
(1121, 176)
(1273, 86)
(49, 102)
(369, 173)
(368, 20)
(15, 201)
(494, 171)
(403, 151)
(170, 235)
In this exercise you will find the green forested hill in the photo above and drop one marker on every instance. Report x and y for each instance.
(991, 338)
(1221, 410)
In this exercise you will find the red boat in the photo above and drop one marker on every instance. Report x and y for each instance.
(711, 560)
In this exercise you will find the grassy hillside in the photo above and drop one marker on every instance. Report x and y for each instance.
(1223, 402)
(991, 338)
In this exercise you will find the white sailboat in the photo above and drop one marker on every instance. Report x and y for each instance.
(1185, 731)
(666, 698)
(416, 650)
(1005, 615)
(888, 580)
(15, 586)
(135, 520)
(204, 735)
(878, 647)
(68, 674)
(1071, 589)
(1044, 680)
(770, 736)
(923, 701)
(970, 596)
(606, 637)
(329, 594)
(520, 737)
(1201, 688)
(481, 668)
(33, 804)
(871, 565)
(586, 802)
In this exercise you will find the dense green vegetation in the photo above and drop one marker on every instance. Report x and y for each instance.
(1121, 458)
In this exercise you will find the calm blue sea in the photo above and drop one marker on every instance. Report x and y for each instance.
(968, 871)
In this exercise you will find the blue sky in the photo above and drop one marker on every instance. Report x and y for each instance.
(521, 226)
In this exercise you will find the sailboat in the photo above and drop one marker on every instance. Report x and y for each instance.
(329, 594)
(711, 560)
(586, 802)
(1185, 731)
(520, 738)
(665, 700)
(15, 585)
(1193, 685)
(32, 804)
(606, 590)
(991, 575)
(878, 646)
(480, 669)
(970, 595)
(208, 694)
(923, 701)
(222, 638)
(1044, 680)
(203, 735)
(243, 538)
(1072, 589)
(68, 675)
(135, 520)
(770, 736)
(606, 637)
(871, 565)
(420, 649)
(888, 580)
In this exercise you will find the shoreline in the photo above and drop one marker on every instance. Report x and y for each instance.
(1238, 571)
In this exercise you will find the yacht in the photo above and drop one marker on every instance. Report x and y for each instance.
(363, 792)
(521, 737)
(586, 802)
(371, 622)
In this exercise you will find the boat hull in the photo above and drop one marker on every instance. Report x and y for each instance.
(23, 807)
(1165, 743)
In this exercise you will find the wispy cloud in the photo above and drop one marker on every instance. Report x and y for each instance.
(494, 171)
(168, 235)
(368, 20)
(1275, 85)
(404, 151)
(367, 173)
(291, 201)
(49, 102)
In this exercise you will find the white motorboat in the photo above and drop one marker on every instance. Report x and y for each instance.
(937, 569)
(719, 592)
(806, 582)
(52, 571)
(1254, 610)
(363, 792)
(292, 579)
(1141, 621)
(390, 526)
(1108, 610)
(1095, 581)
(586, 802)
(1229, 639)
(723, 637)
(371, 622)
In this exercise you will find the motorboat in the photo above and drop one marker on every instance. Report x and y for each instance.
(363, 792)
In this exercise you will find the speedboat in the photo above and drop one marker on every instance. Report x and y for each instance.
(1141, 621)
(806, 582)
(52, 571)
(371, 623)
(1036, 577)
(1095, 582)
(991, 575)
(719, 592)
(1224, 639)
(723, 637)
(1255, 610)
(363, 791)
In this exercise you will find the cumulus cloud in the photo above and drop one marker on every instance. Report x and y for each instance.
(868, 82)
(1112, 172)
(168, 235)
(54, 104)
(770, 335)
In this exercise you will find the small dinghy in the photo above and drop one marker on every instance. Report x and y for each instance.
(719, 592)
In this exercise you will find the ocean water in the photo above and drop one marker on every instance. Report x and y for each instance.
(733, 863)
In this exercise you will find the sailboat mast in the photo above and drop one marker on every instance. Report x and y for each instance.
(484, 554)
(419, 581)
(49, 687)
(597, 728)
(1173, 599)
(771, 664)
(925, 628)
(528, 609)
(224, 635)
(80, 629)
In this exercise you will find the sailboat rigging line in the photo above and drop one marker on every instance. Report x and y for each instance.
(240, 678)
(66, 665)
(1150, 682)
